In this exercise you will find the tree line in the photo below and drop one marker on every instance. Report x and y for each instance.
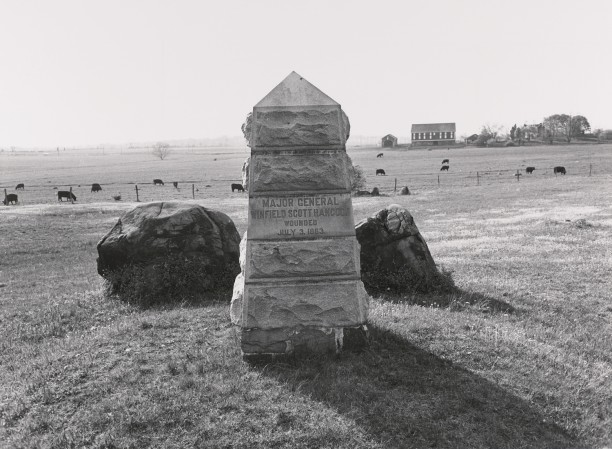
(553, 127)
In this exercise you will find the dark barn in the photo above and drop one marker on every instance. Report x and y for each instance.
(389, 141)
(433, 134)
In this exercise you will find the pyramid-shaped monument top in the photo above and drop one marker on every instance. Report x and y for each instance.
(295, 91)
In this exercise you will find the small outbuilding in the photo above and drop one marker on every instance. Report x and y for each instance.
(433, 133)
(389, 141)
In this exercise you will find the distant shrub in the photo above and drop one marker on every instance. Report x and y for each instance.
(482, 140)
(509, 144)
(358, 179)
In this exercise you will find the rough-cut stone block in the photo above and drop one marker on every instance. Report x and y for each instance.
(325, 171)
(302, 339)
(289, 340)
(312, 127)
(301, 216)
(330, 257)
(328, 304)
(236, 304)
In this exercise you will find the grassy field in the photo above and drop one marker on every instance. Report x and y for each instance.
(519, 356)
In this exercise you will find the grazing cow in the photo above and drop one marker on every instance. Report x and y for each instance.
(529, 170)
(559, 169)
(380, 155)
(444, 168)
(175, 184)
(446, 161)
(158, 182)
(65, 194)
(95, 187)
(237, 187)
(10, 198)
(381, 172)
(20, 187)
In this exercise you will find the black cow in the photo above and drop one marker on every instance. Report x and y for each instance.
(175, 184)
(10, 198)
(20, 187)
(95, 187)
(529, 170)
(237, 187)
(380, 155)
(444, 168)
(381, 172)
(559, 169)
(158, 182)
(446, 161)
(65, 194)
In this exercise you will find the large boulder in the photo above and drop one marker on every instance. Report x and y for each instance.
(170, 249)
(394, 254)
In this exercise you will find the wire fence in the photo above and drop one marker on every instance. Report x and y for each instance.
(195, 189)
(488, 177)
(188, 189)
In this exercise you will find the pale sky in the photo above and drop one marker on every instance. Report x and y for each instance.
(119, 71)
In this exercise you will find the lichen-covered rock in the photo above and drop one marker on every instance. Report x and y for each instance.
(392, 247)
(405, 191)
(170, 245)
(375, 192)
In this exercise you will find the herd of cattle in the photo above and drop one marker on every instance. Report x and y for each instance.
(67, 195)
(446, 165)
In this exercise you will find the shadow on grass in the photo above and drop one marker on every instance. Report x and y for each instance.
(455, 300)
(406, 397)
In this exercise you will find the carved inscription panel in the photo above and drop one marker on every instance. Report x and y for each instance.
(302, 216)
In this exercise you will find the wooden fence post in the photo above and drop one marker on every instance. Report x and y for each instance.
(395, 188)
(193, 191)
(137, 199)
(518, 176)
(590, 169)
(438, 179)
(71, 196)
(477, 178)
(5, 198)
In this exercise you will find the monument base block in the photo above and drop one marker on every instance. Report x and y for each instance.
(316, 340)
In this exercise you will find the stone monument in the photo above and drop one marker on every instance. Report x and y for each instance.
(300, 285)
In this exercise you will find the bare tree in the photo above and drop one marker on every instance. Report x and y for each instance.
(161, 150)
